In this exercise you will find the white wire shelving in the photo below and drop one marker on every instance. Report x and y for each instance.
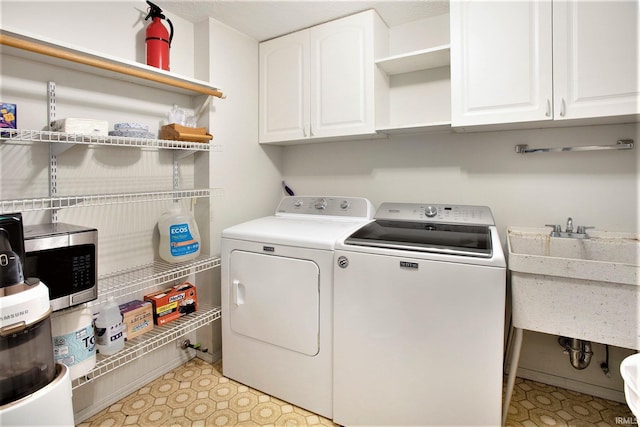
(131, 281)
(152, 340)
(134, 280)
(60, 202)
(120, 141)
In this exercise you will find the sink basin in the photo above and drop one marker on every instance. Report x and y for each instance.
(580, 288)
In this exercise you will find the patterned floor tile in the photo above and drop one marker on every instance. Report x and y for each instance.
(196, 394)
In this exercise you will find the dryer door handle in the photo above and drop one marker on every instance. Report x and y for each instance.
(238, 292)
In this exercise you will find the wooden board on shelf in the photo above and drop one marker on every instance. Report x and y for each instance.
(177, 132)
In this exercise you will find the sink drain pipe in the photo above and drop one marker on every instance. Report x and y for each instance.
(579, 351)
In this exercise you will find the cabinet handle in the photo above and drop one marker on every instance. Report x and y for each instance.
(548, 114)
(563, 108)
(310, 131)
(304, 131)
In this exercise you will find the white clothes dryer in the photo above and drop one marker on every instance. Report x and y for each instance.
(419, 301)
(277, 298)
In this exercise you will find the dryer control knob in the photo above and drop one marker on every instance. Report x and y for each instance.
(321, 204)
(297, 203)
(431, 211)
(345, 204)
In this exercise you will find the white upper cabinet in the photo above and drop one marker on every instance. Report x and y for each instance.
(319, 82)
(284, 88)
(501, 55)
(595, 59)
(506, 67)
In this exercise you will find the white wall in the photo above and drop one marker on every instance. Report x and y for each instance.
(595, 188)
(246, 175)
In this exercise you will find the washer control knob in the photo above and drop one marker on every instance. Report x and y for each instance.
(343, 261)
(345, 204)
(321, 204)
(297, 203)
(430, 211)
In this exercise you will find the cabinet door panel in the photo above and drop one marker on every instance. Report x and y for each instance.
(342, 77)
(284, 88)
(500, 62)
(596, 59)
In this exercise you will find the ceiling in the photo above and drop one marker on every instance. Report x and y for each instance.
(266, 19)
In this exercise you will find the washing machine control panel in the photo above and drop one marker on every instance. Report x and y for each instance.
(356, 207)
(426, 212)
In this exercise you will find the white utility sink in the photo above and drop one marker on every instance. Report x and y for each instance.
(580, 288)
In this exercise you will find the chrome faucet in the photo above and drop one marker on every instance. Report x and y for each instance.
(581, 233)
(569, 228)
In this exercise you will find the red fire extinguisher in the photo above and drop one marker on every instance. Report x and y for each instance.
(158, 39)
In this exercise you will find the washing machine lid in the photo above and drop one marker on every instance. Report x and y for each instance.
(306, 221)
(446, 229)
(467, 240)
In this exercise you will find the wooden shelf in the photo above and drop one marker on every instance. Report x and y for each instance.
(424, 59)
(69, 56)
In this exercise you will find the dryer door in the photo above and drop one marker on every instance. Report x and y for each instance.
(275, 299)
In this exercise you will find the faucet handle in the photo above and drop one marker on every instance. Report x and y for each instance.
(582, 229)
(555, 228)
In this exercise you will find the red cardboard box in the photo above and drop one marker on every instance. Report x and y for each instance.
(170, 304)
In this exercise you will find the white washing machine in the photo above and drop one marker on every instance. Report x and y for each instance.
(419, 301)
(277, 298)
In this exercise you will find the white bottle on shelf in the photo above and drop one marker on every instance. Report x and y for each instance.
(179, 236)
(109, 333)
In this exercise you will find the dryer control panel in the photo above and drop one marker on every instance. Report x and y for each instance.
(352, 207)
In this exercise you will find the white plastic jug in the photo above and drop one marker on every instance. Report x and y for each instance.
(179, 236)
(109, 329)
(74, 340)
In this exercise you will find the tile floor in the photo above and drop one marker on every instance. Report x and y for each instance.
(196, 394)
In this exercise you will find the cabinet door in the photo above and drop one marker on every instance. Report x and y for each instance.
(500, 62)
(595, 58)
(284, 88)
(342, 98)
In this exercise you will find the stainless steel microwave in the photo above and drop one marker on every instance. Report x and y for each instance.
(64, 257)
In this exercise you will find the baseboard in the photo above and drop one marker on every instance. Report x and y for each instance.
(210, 357)
(582, 387)
(108, 400)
